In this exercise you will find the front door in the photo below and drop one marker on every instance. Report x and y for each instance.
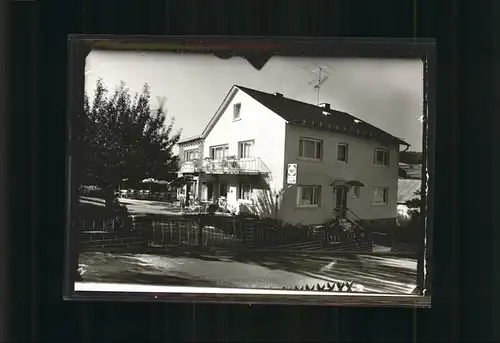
(223, 189)
(189, 190)
(340, 201)
(210, 191)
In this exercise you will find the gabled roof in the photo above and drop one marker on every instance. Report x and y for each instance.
(318, 117)
(304, 114)
(213, 120)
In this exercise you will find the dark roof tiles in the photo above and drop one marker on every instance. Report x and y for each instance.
(301, 113)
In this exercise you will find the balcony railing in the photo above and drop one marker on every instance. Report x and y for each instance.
(189, 167)
(251, 166)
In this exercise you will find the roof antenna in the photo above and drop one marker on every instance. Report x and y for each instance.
(321, 78)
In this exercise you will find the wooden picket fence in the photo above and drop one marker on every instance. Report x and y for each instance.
(228, 231)
(267, 233)
(107, 225)
(177, 232)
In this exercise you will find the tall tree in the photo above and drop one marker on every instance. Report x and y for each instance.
(124, 137)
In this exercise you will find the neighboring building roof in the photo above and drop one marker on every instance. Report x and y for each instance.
(318, 117)
(412, 171)
(190, 139)
(407, 189)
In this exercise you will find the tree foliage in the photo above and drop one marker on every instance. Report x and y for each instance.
(411, 157)
(414, 205)
(123, 137)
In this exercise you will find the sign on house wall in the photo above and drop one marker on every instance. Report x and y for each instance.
(291, 177)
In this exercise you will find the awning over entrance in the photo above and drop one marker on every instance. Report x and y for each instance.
(347, 183)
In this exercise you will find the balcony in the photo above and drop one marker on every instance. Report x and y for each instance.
(229, 165)
(190, 167)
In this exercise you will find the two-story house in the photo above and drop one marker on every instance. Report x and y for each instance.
(344, 166)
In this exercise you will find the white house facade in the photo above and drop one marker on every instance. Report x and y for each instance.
(344, 167)
(357, 176)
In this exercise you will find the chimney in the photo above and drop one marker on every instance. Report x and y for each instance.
(278, 94)
(325, 106)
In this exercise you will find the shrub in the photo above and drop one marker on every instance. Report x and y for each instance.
(212, 208)
(266, 204)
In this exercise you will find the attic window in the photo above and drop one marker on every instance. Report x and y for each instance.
(278, 94)
(326, 113)
(357, 121)
(236, 111)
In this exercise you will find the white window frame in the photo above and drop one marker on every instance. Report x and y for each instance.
(225, 151)
(240, 191)
(237, 111)
(385, 195)
(241, 144)
(316, 194)
(387, 161)
(317, 142)
(346, 147)
(356, 192)
(195, 153)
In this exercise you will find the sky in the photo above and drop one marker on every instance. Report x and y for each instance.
(387, 93)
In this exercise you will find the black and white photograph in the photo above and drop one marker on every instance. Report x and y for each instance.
(205, 174)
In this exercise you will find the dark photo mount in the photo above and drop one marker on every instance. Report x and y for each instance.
(465, 257)
(258, 52)
(5, 237)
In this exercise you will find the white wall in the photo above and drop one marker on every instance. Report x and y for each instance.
(257, 123)
(359, 167)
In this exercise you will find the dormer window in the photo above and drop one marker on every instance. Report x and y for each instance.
(237, 111)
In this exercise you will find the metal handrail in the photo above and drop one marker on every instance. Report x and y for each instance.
(357, 217)
(353, 221)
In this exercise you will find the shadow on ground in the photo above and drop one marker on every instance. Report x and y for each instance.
(392, 274)
(129, 270)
